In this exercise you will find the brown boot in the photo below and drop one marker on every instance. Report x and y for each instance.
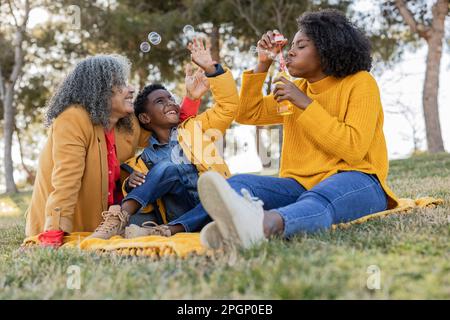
(113, 224)
(149, 228)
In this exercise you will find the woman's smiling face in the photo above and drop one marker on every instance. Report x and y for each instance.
(122, 101)
(303, 60)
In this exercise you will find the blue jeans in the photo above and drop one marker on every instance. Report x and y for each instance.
(275, 192)
(175, 184)
(343, 197)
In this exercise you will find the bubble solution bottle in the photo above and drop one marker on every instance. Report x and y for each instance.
(284, 107)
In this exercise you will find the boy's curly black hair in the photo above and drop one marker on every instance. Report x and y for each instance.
(343, 48)
(141, 99)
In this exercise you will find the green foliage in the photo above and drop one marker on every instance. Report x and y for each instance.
(122, 27)
(6, 62)
(6, 55)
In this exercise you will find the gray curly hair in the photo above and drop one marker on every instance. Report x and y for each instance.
(90, 84)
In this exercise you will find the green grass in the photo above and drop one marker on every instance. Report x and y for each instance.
(412, 251)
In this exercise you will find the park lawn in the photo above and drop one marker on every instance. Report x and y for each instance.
(411, 251)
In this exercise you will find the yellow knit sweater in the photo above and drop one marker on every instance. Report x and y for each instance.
(342, 129)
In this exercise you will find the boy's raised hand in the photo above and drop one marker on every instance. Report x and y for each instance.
(201, 54)
(197, 83)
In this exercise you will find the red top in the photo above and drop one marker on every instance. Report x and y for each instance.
(113, 169)
(189, 108)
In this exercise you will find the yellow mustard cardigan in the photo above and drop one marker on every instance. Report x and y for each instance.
(341, 130)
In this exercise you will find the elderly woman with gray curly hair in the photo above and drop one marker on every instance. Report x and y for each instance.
(92, 130)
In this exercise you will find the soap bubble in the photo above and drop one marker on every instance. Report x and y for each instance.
(253, 49)
(176, 98)
(145, 47)
(154, 38)
(228, 61)
(188, 30)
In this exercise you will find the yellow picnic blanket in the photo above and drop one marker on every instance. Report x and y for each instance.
(183, 244)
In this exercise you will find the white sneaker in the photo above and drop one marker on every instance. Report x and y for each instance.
(239, 219)
(211, 237)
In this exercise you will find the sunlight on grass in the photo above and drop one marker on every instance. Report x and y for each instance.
(8, 208)
(14, 205)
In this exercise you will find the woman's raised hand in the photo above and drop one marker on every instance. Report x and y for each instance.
(197, 83)
(201, 54)
(268, 48)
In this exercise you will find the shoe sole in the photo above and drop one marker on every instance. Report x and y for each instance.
(211, 237)
(122, 234)
(213, 200)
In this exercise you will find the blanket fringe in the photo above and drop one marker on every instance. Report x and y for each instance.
(183, 245)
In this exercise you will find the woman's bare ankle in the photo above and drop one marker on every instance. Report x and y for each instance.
(273, 224)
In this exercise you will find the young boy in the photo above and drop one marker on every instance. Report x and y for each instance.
(177, 153)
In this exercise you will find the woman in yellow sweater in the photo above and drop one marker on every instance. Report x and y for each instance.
(334, 162)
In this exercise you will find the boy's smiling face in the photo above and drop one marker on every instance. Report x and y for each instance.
(303, 60)
(161, 110)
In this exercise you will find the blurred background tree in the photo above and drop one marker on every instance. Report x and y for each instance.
(77, 28)
(425, 20)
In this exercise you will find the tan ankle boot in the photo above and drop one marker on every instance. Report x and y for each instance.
(113, 224)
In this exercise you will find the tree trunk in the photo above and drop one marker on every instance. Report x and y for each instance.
(31, 175)
(8, 116)
(215, 43)
(8, 105)
(431, 84)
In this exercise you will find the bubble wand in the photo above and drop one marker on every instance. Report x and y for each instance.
(283, 107)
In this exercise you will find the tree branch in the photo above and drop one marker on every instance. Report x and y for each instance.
(30, 174)
(18, 51)
(2, 85)
(27, 14)
(419, 28)
(278, 16)
(440, 10)
(238, 5)
(12, 13)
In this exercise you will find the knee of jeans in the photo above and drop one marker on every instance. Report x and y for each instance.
(239, 184)
(166, 168)
(314, 196)
(240, 177)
